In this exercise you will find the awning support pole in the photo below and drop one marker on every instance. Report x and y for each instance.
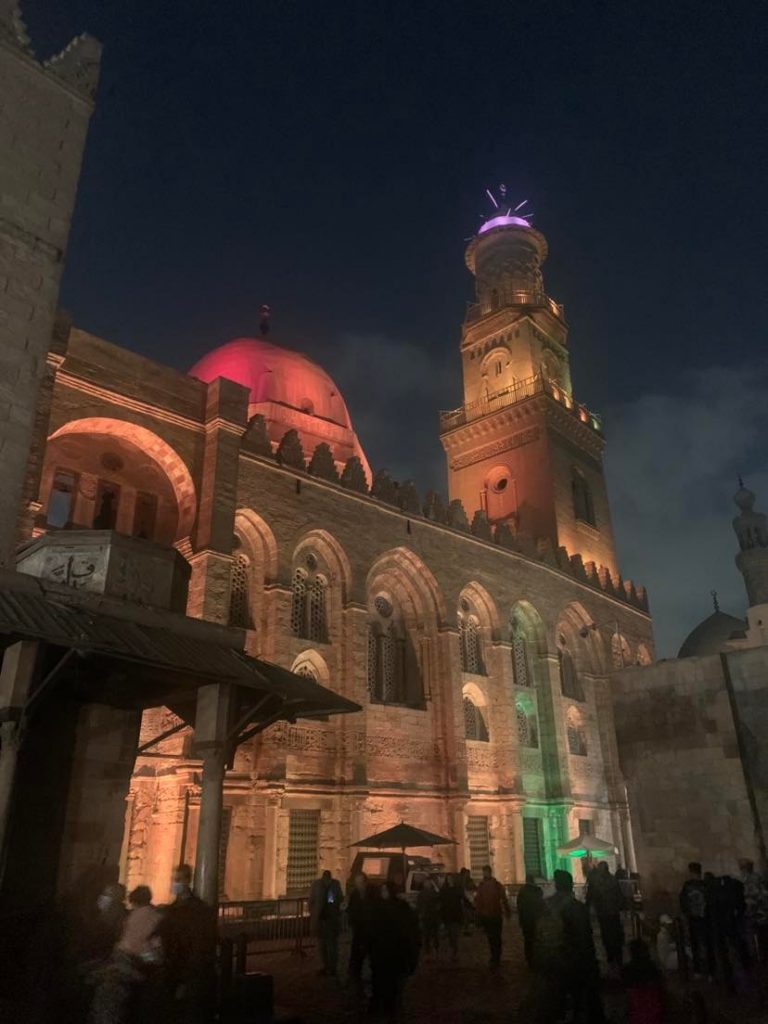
(159, 739)
(211, 728)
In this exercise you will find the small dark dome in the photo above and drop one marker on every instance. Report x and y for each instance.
(711, 635)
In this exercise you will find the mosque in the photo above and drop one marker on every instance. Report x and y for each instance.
(481, 632)
(478, 632)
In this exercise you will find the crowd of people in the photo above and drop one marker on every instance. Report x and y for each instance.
(118, 964)
(726, 924)
(726, 920)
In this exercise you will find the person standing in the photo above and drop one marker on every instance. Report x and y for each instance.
(468, 888)
(395, 944)
(491, 906)
(452, 912)
(188, 934)
(695, 909)
(428, 909)
(359, 917)
(756, 908)
(606, 896)
(325, 899)
(565, 957)
(530, 905)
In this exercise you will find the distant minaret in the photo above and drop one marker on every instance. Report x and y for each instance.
(44, 118)
(752, 532)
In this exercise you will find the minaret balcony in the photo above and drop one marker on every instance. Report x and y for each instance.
(517, 392)
(477, 310)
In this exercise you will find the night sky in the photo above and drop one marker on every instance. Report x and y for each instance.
(330, 158)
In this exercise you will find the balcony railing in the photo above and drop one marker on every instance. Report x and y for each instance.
(476, 310)
(517, 392)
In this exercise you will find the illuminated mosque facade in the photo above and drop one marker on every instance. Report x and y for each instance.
(479, 630)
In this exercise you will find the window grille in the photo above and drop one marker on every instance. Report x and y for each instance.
(303, 844)
(520, 666)
(527, 727)
(299, 602)
(618, 656)
(585, 826)
(239, 604)
(471, 649)
(373, 668)
(306, 670)
(479, 844)
(318, 628)
(532, 847)
(309, 603)
(474, 722)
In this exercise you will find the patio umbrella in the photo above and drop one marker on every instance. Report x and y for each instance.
(587, 846)
(402, 837)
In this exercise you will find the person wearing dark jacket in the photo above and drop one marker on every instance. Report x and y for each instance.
(395, 944)
(530, 905)
(606, 897)
(695, 899)
(491, 906)
(325, 899)
(188, 935)
(359, 917)
(452, 912)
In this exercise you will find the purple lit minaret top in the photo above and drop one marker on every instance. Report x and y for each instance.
(503, 214)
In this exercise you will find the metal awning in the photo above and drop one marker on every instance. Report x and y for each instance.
(126, 662)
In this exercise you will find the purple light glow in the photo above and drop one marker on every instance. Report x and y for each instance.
(505, 220)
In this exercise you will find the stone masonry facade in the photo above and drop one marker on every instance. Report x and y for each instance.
(501, 735)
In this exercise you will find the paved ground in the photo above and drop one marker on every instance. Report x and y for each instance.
(467, 992)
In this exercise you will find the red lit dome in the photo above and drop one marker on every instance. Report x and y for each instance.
(289, 390)
(274, 374)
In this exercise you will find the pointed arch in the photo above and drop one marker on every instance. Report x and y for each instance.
(254, 567)
(336, 563)
(583, 638)
(312, 664)
(259, 541)
(415, 584)
(156, 449)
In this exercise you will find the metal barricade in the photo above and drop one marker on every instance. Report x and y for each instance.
(250, 927)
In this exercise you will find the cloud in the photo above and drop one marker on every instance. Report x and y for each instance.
(394, 389)
(673, 461)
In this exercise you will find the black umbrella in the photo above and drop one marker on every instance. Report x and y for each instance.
(402, 837)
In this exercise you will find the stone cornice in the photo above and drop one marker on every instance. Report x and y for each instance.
(87, 387)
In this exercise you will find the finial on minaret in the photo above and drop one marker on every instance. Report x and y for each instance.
(715, 602)
(264, 313)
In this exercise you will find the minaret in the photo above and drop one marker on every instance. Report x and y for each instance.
(44, 118)
(752, 561)
(520, 447)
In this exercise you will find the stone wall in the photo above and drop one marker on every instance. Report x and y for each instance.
(680, 756)
(44, 113)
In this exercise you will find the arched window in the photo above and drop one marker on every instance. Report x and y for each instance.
(527, 725)
(239, 596)
(570, 684)
(470, 640)
(474, 722)
(494, 298)
(306, 670)
(642, 657)
(521, 665)
(393, 672)
(583, 507)
(309, 599)
(577, 733)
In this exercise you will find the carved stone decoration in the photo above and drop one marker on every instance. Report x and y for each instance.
(322, 465)
(502, 445)
(353, 476)
(289, 451)
(12, 27)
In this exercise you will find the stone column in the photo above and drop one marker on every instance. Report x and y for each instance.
(20, 663)
(518, 853)
(211, 726)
